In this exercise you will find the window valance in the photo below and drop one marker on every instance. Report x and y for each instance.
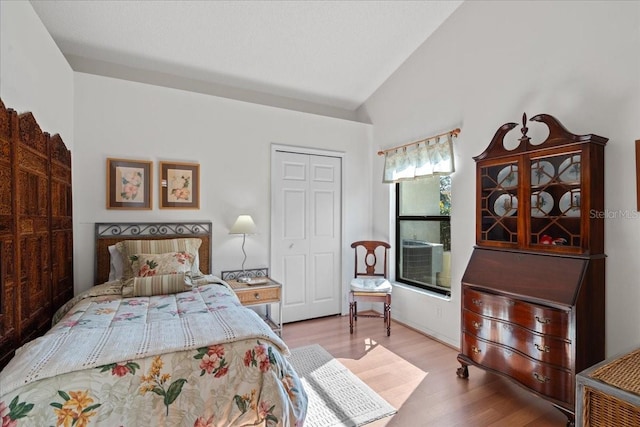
(430, 156)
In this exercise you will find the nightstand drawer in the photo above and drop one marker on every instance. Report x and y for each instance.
(258, 295)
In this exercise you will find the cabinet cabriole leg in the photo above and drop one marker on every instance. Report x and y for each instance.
(463, 372)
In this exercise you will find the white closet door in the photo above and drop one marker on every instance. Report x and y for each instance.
(305, 240)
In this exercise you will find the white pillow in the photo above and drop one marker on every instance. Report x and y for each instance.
(116, 265)
(196, 263)
(370, 284)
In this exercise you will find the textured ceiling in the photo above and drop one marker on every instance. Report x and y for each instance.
(330, 53)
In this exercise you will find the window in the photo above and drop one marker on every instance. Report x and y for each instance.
(423, 233)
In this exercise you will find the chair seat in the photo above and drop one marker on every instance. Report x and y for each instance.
(370, 284)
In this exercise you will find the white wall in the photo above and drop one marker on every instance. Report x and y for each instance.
(34, 75)
(232, 142)
(485, 66)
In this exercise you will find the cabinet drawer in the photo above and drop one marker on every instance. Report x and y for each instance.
(540, 377)
(258, 296)
(540, 347)
(545, 320)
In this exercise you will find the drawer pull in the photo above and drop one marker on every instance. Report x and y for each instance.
(475, 349)
(541, 378)
(476, 301)
(543, 320)
(476, 325)
(544, 348)
(256, 295)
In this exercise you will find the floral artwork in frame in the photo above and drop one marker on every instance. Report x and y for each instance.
(638, 174)
(129, 184)
(179, 185)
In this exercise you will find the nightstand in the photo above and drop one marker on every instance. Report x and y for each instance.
(261, 291)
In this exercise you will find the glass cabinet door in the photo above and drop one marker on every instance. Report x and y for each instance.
(499, 203)
(555, 200)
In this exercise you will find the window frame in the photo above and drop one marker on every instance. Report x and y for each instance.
(398, 244)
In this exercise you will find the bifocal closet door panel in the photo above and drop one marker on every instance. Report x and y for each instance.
(305, 235)
(8, 297)
(33, 225)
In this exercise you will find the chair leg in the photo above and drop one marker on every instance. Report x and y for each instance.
(387, 318)
(351, 304)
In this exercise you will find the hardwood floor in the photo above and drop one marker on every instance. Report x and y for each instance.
(417, 375)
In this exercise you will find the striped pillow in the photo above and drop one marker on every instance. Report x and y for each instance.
(129, 248)
(156, 285)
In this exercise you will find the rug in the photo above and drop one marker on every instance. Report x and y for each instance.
(337, 397)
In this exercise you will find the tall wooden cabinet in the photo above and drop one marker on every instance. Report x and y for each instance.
(36, 232)
(533, 293)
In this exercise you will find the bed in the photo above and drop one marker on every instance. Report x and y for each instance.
(158, 342)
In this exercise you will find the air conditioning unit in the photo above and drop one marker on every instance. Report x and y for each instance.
(421, 260)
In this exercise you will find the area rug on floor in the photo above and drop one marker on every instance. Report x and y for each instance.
(337, 397)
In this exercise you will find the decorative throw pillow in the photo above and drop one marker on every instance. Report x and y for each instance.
(156, 285)
(131, 247)
(145, 265)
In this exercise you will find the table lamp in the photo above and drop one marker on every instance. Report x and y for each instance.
(244, 225)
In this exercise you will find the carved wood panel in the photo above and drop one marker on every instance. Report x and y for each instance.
(8, 292)
(33, 195)
(35, 286)
(8, 300)
(61, 222)
(36, 229)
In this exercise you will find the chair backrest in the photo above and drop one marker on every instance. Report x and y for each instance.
(369, 263)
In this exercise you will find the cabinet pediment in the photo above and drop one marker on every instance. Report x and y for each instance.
(558, 136)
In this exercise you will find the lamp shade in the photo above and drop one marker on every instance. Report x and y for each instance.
(243, 225)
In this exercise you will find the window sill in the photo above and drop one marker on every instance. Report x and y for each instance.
(421, 291)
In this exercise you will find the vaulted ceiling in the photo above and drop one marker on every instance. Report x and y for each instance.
(327, 55)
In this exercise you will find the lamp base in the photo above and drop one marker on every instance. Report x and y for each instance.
(244, 279)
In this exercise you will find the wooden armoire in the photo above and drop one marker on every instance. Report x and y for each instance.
(533, 292)
(36, 229)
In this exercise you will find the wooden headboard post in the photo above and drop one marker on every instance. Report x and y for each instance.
(110, 233)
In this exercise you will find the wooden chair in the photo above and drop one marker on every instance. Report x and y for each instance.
(370, 284)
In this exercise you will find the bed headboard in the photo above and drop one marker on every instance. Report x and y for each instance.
(110, 233)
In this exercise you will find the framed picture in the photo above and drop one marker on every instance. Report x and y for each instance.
(179, 185)
(129, 184)
(638, 175)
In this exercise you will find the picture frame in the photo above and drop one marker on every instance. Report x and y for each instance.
(638, 175)
(129, 184)
(179, 185)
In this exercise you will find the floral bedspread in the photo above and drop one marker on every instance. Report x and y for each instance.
(219, 382)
